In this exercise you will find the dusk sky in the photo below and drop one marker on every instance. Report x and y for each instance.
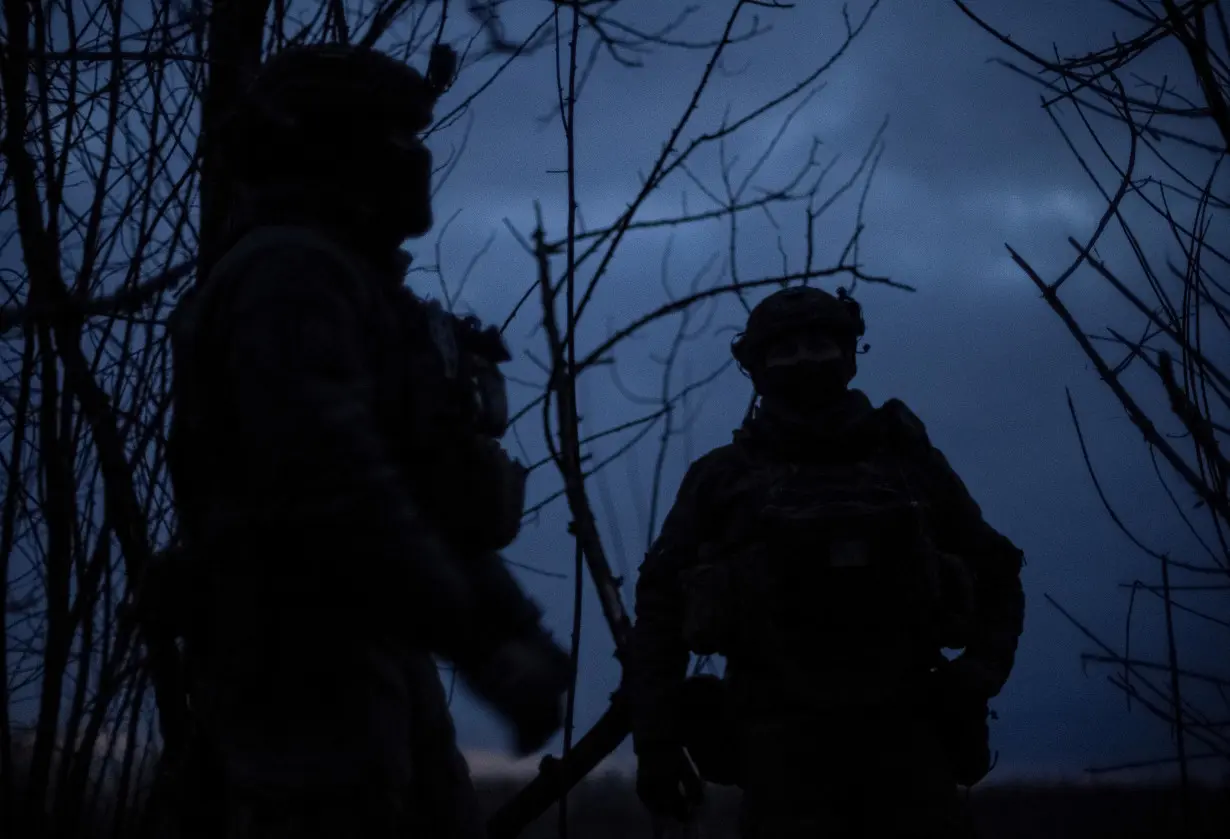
(970, 162)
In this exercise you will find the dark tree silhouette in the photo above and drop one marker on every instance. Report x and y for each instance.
(1148, 118)
(113, 202)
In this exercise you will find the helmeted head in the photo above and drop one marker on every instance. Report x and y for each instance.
(800, 345)
(345, 120)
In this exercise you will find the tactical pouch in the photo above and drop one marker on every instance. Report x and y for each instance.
(956, 600)
(501, 494)
(966, 736)
(708, 730)
(185, 800)
(479, 497)
(709, 608)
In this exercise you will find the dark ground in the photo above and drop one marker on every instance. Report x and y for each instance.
(606, 808)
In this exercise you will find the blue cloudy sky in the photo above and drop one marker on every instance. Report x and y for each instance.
(970, 162)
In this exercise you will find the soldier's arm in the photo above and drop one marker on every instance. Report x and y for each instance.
(293, 349)
(658, 660)
(999, 599)
(999, 602)
(506, 607)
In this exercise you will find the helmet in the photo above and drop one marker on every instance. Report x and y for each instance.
(320, 104)
(798, 308)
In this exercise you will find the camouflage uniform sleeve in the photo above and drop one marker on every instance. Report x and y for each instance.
(999, 602)
(507, 610)
(293, 348)
(658, 660)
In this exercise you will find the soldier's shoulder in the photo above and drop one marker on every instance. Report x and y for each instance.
(275, 265)
(184, 311)
(299, 248)
(706, 471)
(721, 460)
(900, 423)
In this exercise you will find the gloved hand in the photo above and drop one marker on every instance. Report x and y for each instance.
(661, 775)
(524, 679)
(968, 678)
(960, 712)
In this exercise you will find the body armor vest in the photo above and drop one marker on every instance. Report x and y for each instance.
(440, 397)
(823, 587)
